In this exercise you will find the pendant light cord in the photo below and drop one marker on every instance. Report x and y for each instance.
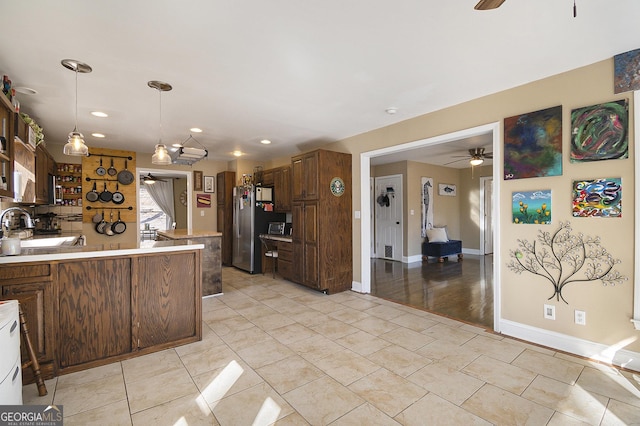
(75, 129)
(575, 9)
(160, 99)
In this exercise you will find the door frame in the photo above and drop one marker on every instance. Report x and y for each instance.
(400, 194)
(365, 203)
(483, 183)
(141, 171)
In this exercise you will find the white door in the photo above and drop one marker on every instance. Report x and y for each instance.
(488, 215)
(388, 217)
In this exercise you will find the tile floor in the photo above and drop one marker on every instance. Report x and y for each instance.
(275, 352)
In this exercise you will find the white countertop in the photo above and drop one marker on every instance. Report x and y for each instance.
(44, 254)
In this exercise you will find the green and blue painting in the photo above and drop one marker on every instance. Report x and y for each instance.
(532, 207)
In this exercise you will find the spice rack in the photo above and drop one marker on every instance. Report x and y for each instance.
(69, 185)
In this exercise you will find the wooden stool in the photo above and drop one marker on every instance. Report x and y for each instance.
(33, 359)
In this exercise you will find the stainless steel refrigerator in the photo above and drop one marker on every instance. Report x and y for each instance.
(251, 217)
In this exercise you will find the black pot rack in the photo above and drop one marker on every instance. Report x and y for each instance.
(111, 156)
(109, 208)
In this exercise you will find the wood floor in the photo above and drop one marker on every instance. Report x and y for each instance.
(457, 289)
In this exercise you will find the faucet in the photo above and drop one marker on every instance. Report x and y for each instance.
(29, 223)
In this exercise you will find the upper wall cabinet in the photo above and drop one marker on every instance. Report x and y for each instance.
(6, 148)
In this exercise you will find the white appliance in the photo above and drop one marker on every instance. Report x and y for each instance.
(10, 366)
(264, 194)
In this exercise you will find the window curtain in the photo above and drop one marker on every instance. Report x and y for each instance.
(162, 194)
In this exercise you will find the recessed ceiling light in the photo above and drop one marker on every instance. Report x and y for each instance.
(26, 90)
(97, 135)
(391, 110)
(99, 114)
(196, 130)
(237, 153)
(265, 141)
(177, 145)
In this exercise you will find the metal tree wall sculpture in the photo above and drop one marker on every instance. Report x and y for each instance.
(564, 258)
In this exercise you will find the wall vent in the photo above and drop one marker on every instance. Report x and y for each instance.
(388, 252)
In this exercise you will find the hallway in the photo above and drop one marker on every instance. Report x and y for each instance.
(460, 290)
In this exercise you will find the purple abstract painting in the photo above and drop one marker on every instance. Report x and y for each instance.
(533, 144)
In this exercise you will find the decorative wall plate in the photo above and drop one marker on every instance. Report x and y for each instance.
(337, 186)
(183, 198)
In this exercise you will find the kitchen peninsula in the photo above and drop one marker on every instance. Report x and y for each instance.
(93, 305)
(211, 257)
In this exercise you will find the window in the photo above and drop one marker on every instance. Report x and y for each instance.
(150, 213)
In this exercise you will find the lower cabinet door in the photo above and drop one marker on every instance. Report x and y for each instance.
(95, 310)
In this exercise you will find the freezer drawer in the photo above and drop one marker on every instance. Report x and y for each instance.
(11, 385)
(9, 336)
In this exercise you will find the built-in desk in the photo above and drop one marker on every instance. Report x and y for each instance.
(285, 255)
(211, 256)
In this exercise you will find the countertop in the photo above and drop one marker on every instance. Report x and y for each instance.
(283, 238)
(180, 234)
(43, 254)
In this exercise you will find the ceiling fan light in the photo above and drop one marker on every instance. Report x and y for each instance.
(161, 156)
(476, 161)
(75, 145)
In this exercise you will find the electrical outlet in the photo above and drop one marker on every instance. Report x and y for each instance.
(581, 317)
(550, 312)
(201, 212)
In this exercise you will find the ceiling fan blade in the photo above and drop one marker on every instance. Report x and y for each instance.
(455, 161)
(488, 4)
(489, 155)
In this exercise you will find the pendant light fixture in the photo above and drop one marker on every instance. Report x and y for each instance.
(75, 144)
(161, 155)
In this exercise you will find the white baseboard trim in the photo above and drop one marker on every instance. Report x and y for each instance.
(411, 259)
(356, 286)
(470, 251)
(615, 355)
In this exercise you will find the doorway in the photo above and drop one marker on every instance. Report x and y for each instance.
(486, 215)
(388, 217)
(168, 174)
(494, 129)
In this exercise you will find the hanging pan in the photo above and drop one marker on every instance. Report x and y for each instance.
(93, 194)
(119, 226)
(101, 225)
(118, 197)
(112, 170)
(97, 218)
(125, 177)
(101, 171)
(106, 195)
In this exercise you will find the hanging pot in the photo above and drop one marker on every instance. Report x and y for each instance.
(101, 171)
(125, 177)
(112, 170)
(101, 225)
(119, 226)
(93, 194)
(118, 197)
(105, 195)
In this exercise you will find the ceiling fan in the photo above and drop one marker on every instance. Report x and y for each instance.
(150, 179)
(476, 156)
(488, 4)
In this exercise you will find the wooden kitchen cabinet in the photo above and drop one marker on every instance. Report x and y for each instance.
(166, 312)
(321, 214)
(225, 181)
(282, 189)
(94, 310)
(285, 260)
(45, 167)
(33, 287)
(7, 117)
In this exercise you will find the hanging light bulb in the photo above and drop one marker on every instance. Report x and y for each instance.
(161, 155)
(75, 144)
(476, 161)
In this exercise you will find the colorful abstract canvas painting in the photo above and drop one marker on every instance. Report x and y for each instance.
(626, 71)
(533, 144)
(600, 132)
(531, 207)
(597, 198)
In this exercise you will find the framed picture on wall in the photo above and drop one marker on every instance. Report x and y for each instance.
(447, 189)
(197, 180)
(209, 184)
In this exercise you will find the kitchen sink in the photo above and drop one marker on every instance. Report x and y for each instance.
(50, 242)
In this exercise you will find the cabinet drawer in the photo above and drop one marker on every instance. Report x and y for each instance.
(285, 255)
(9, 336)
(13, 272)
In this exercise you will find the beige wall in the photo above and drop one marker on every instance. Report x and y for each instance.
(469, 191)
(609, 309)
(179, 185)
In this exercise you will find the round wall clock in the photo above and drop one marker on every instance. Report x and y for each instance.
(337, 186)
(183, 198)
